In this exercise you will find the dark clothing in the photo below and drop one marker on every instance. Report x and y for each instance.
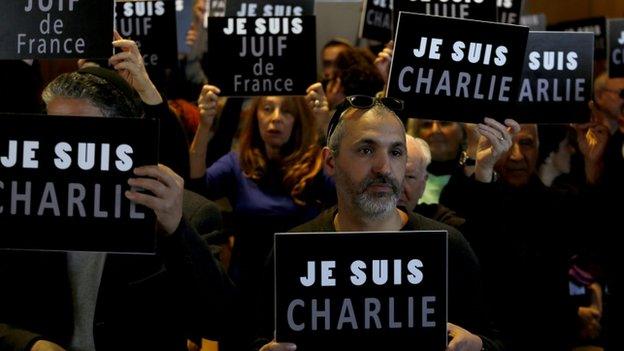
(21, 90)
(440, 213)
(144, 302)
(465, 305)
(604, 206)
(173, 145)
(524, 238)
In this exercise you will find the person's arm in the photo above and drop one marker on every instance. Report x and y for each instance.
(197, 39)
(495, 141)
(207, 103)
(129, 64)
(315, 96)
(470, 326)
(383, 60)
(186, 255)
(592, 140)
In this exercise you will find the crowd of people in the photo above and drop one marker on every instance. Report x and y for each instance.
(532, 254)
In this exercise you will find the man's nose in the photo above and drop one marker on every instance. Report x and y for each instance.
(516, 154)
(381, 163)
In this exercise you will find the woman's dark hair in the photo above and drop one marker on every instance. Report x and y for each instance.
(357, 72)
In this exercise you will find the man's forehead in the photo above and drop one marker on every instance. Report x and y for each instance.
(376, 124)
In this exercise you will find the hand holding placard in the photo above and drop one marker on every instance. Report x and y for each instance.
(129, 64)
(167, 187)
(207, 104)
(496, 139)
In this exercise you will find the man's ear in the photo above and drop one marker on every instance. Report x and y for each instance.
(329, 165)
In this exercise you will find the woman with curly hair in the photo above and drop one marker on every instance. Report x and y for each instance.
(274, 179)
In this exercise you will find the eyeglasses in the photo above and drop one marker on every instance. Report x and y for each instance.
(362, 102)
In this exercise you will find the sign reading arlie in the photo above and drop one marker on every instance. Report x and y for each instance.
(557, 79)
(55, 29)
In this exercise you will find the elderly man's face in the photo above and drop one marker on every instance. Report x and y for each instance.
(519, 163)
(444, 138)
(415, 177)
(608, 98)
(370, 165)
(60, 106)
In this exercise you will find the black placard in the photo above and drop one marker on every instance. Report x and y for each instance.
(263, 55)
(596, 25)
(216, 8)
(55, 29)
(399, 278)
(616, 48)
(557, 79)
(536, 22)
(152, 24)
(376, 22)
(269, 8)
(484, 10)
(62, 183)
(442, 80)
(509, 11)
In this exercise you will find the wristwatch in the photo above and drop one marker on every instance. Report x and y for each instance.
(465, 160)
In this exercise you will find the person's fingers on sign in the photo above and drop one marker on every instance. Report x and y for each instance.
(167, 189)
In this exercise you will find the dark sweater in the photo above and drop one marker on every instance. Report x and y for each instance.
(465, 304)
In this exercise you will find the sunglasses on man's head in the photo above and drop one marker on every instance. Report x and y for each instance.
(362, 102)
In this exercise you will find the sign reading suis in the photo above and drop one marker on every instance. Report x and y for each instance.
(152, 24)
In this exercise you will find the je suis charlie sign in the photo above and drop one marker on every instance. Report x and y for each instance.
(557, 79)
(616, 48)
(152, 24)
(361, 291)
(596, 25)
(264, 55)
(454, 69)
(55, 29)
(62, 183)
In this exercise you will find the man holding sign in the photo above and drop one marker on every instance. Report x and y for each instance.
(87, 300)
(366, 155)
